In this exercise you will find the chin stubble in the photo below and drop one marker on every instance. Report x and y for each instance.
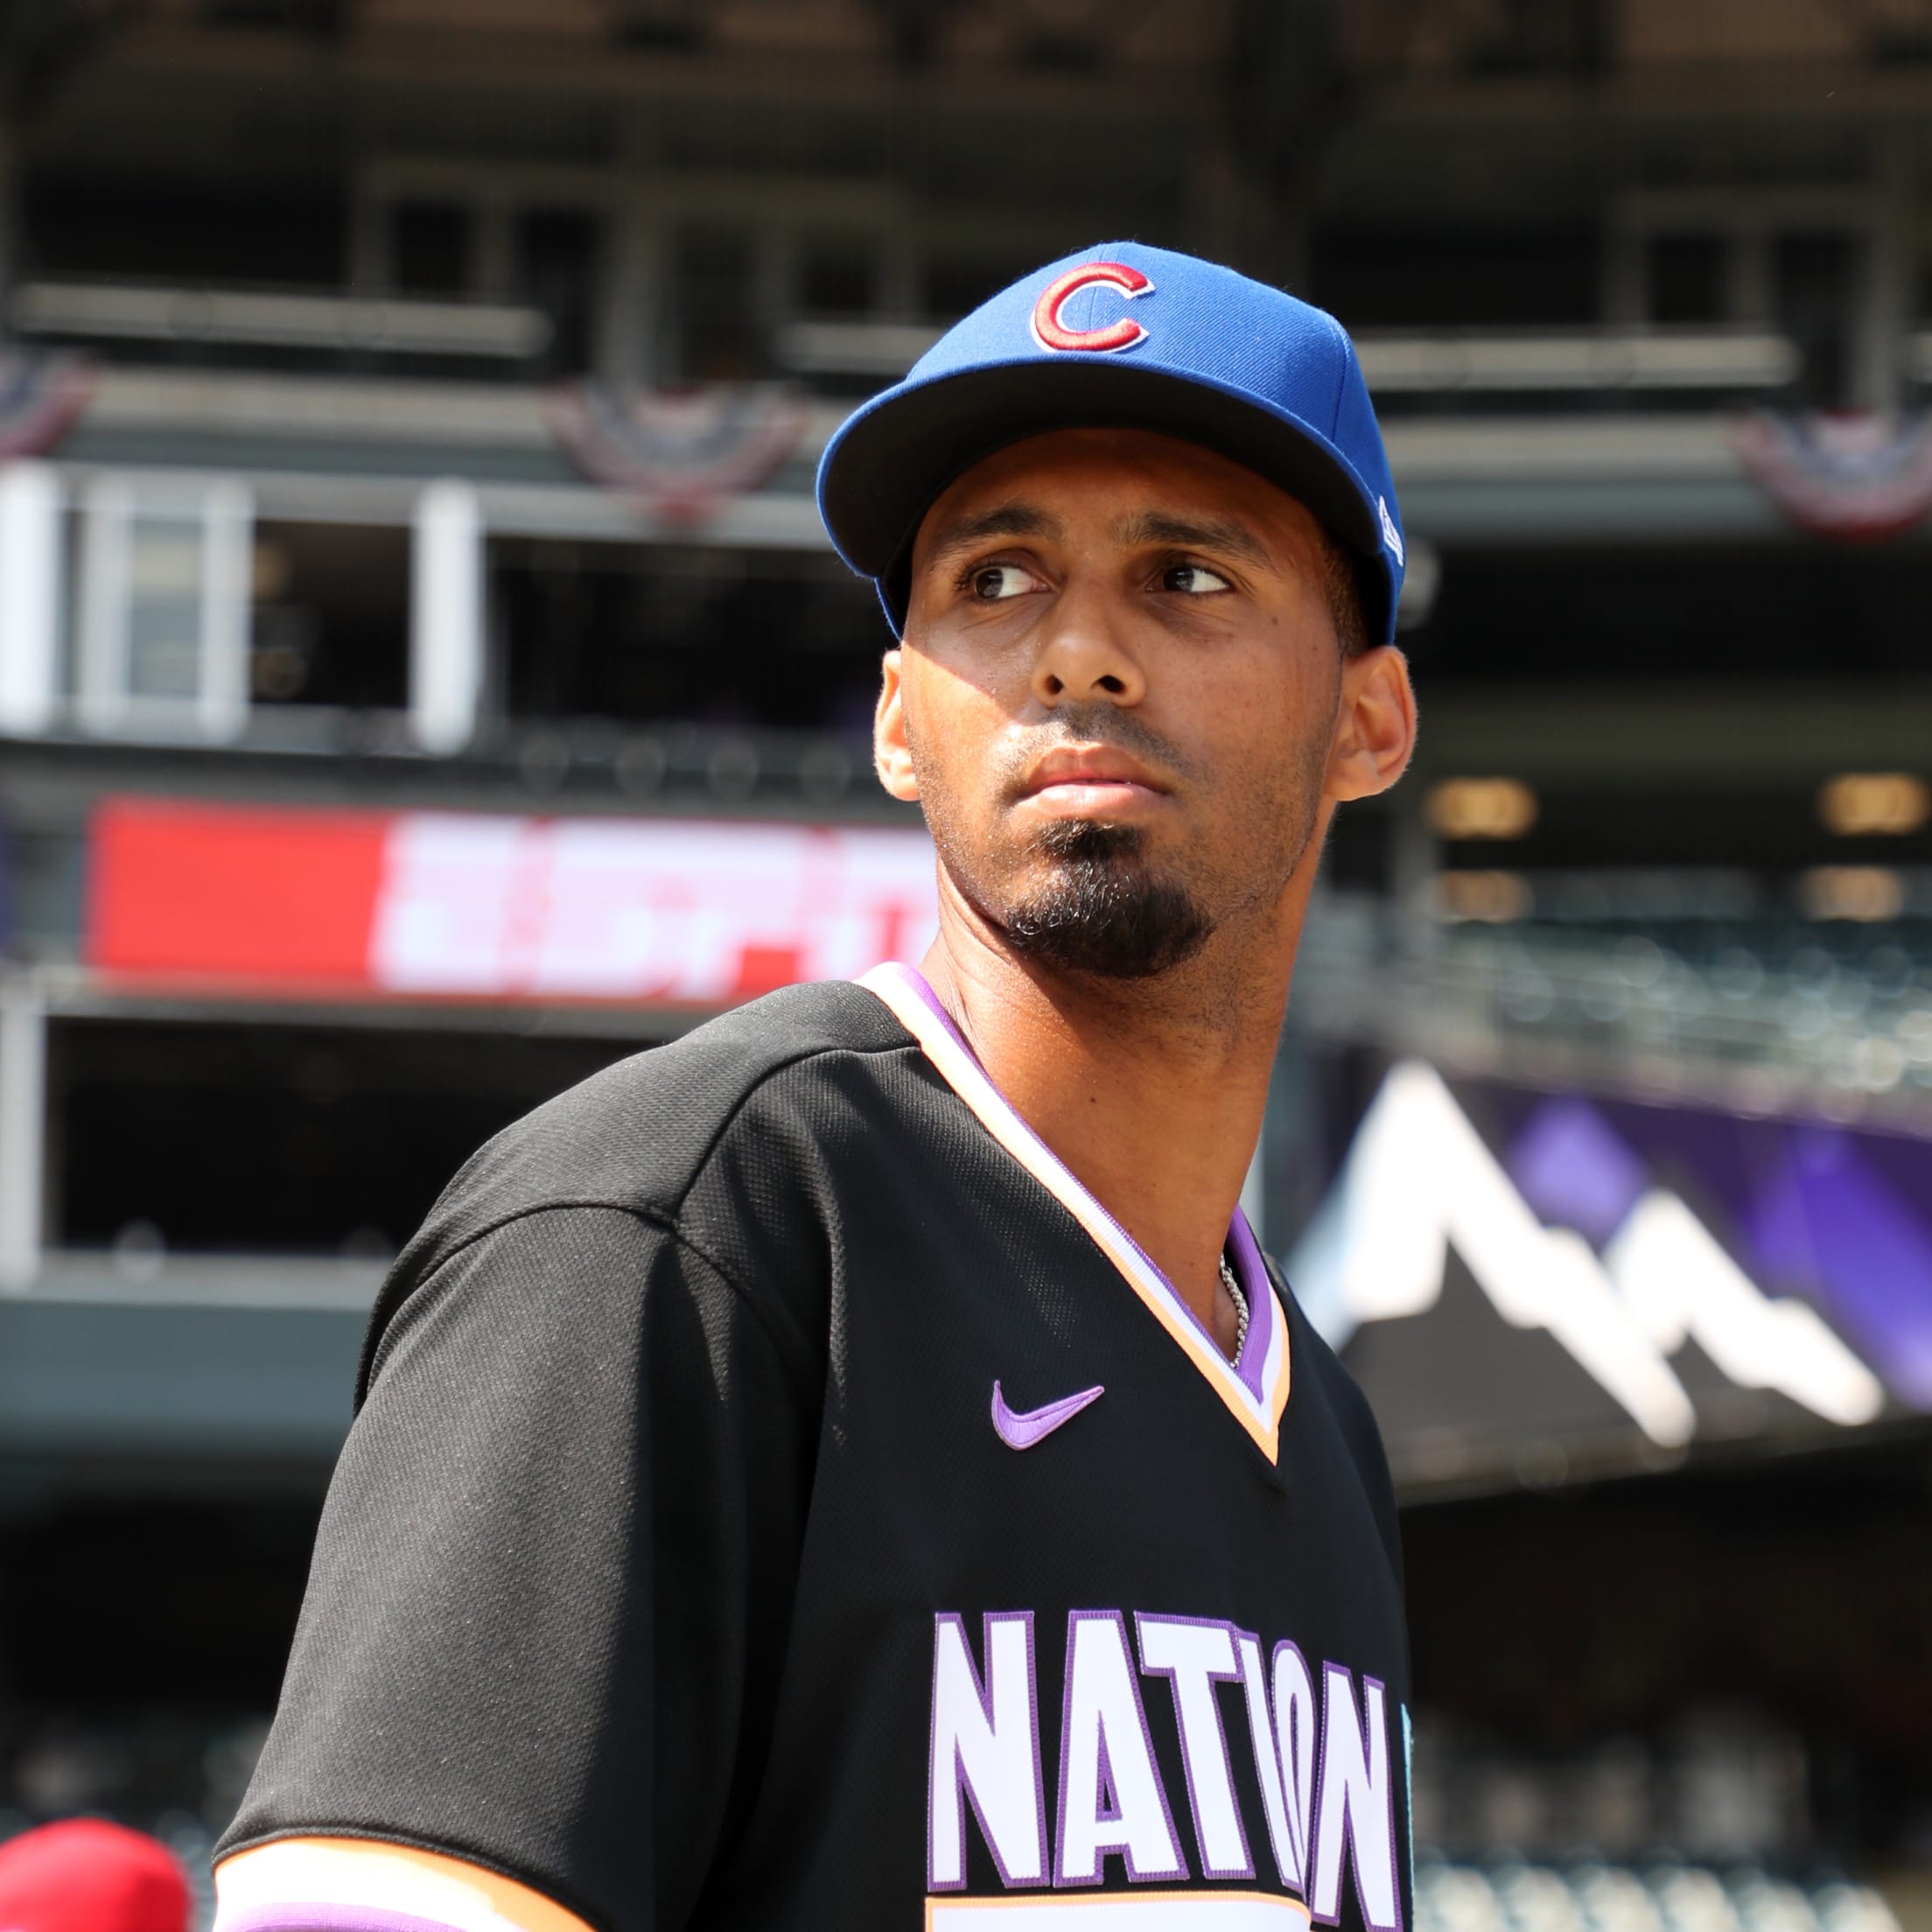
(1101, 912)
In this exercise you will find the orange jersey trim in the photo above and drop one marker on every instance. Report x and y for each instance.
(906, 993)
(1154, 1911)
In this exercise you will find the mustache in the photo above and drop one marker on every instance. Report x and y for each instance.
(1093, 722)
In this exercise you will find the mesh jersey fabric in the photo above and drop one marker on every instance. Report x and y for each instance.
(672, 1453)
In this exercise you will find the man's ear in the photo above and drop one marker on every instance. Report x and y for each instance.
(891, 754)
(1374, 725)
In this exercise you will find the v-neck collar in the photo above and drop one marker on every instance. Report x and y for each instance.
(1255, 1388)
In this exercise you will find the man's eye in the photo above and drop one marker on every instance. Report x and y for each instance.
(1191, 580)
(995, 581)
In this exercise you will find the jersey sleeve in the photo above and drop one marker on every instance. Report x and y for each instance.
(551, 1585)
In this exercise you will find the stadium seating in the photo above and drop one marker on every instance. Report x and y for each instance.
(1588, 1895)
(1822, 1007)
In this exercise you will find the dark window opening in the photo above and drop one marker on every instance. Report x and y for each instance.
(837, 277)
(279, 1139)
(179, 1694)
(1442, 278)
(558, 267)
(1817, 279)
(190, 231)
(955, 285)
(1744, 613)
(430, 246)
(1687, 278)
(716, 337)
(321, 17)
(330, 625)
(592, 630)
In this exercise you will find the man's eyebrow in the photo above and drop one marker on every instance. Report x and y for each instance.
(1003, 519)
(1187, 533)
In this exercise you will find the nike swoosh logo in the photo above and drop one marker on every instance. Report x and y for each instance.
(1020, 1430)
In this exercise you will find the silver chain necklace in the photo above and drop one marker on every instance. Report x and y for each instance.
(1240, 1301)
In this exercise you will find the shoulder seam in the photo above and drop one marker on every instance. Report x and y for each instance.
(649, 1217)
(666, 1217)
(771, 1073)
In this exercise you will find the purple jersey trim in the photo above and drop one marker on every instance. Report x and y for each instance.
(1244, 1253)
(319, 1917)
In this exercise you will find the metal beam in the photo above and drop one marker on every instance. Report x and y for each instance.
(81, 1377)
(29, 584)
(23, 1130)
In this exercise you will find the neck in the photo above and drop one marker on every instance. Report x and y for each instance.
(1150, 1091)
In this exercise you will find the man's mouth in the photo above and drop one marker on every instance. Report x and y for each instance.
(1095, 782)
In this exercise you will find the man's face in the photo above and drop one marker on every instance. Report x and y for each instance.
(1118, 697)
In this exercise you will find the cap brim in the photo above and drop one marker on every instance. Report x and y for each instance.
(895, 458)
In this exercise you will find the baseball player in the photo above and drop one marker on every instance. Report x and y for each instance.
(854, 1467)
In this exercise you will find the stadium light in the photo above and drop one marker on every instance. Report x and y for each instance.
(1885, 804)
(1870, 894)
(1494, 898)
(1481, 808)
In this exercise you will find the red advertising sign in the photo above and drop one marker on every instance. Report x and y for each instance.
(685, 912)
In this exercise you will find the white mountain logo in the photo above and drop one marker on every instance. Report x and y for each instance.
(1419, 1180)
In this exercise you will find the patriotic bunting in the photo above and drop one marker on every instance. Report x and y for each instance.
(41, 398)
(681, 452)
(1856, 476)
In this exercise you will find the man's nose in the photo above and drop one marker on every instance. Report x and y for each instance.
(1083, 653)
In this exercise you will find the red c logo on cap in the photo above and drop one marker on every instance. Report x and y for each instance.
(1051, 333)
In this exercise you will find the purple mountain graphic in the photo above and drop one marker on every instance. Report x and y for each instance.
(1816, 1218)
(1823, 1221)
(1575, 1170)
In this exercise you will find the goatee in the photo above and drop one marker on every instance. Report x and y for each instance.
(1102, 912)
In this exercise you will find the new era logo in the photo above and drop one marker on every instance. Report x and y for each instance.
(1391, 535)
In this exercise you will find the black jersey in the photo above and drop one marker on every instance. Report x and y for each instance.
(781, 1496)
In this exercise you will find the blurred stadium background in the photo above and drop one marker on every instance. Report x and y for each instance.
(422, 679)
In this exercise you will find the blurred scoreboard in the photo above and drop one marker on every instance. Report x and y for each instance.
(694, 914)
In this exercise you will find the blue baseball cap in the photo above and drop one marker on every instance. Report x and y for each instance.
(1122, 337)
